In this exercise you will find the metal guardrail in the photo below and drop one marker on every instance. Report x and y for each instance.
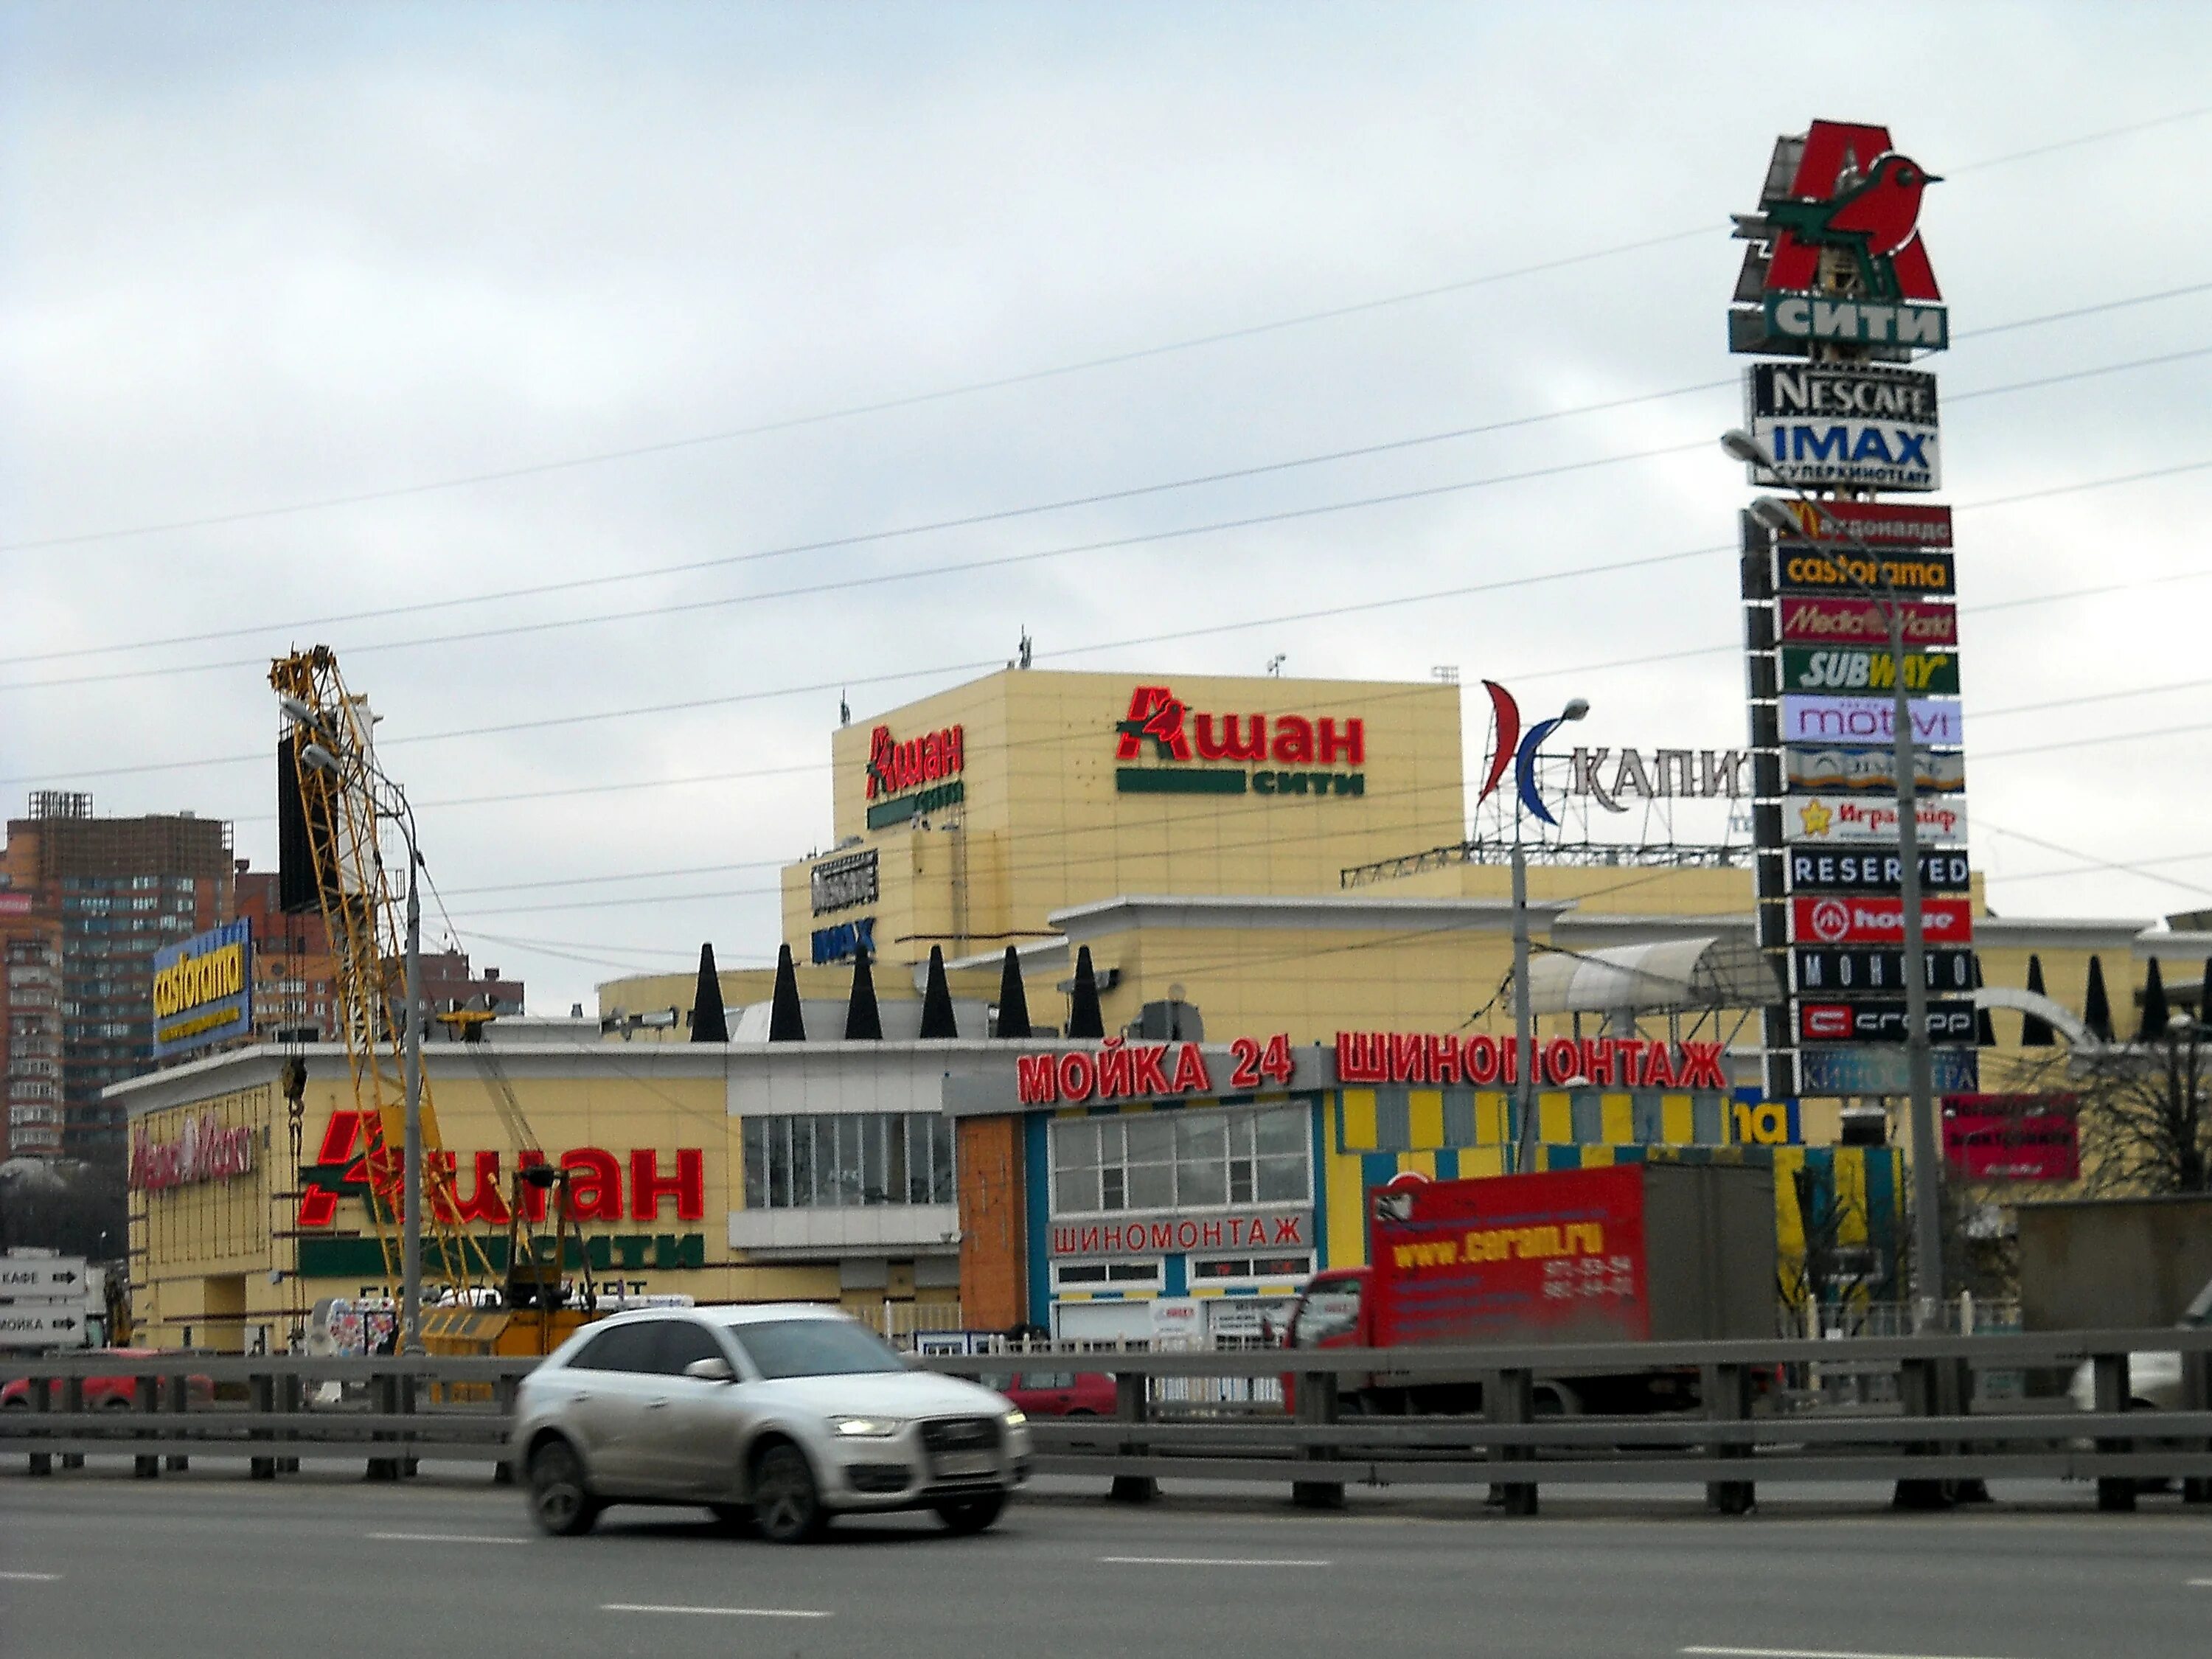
(1936, 1435)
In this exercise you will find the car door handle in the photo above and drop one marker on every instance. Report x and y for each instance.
(655, 1405)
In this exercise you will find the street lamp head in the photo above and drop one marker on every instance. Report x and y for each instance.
(1742, 447)
(320, 759)
(298, 713)
(1775, 516)
(1575, 708)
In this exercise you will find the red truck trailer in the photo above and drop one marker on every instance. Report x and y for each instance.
(1661, 1252)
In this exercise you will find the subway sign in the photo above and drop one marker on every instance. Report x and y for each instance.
(204, 990)
(1181, 750)
(1830, 669)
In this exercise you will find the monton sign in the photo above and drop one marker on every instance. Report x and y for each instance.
(1829, 424)
(1877, 920)
(1939, 722)
(1270, 754)
(931, 763)
(1863, 621)
(1668, 775)
(1824, 770)
(204, 990)
(1844, 819)
(1411, 1057)
(1840, 971)
(204, 1150)
(1815, 668)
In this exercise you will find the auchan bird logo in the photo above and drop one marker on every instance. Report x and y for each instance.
(1854, 193)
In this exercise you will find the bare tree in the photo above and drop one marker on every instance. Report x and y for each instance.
(2145, 1121)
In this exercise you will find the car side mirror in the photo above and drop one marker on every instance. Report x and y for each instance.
(714, 1370)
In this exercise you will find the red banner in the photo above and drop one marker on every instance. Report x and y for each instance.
(2011, 1136)
(1816, 920)
(1878, 524)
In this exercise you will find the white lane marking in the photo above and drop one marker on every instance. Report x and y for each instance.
(1810, 1653)
(444, 1538)
(2200, 1583)
(32, 1577)
(1214, 1561)
(729, 1613)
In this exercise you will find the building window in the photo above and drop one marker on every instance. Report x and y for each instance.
(1181, 1160)
(1136, 1274)
(847, 1160)
(1220, 1269)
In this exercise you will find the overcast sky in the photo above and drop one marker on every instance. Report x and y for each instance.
(253, 258)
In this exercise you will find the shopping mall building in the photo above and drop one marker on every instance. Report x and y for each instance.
(1304, 957)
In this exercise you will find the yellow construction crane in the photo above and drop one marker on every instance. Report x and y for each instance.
(334, 825)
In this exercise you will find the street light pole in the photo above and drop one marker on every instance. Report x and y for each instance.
(1524, 1039)
(1919, 1059)
(411, 1072)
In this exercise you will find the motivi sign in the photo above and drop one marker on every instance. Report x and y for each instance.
(1178, 739)
(204, 1150)
(1156, 1234)
(1394, 1057)
(1940, 722)
(1863, 621)
(1875, 920)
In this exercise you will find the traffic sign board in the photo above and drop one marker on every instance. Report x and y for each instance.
(33, 1325)
(38, 1277)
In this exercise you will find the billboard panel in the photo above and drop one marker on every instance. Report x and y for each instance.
(1872, 870)
(1849, 971)
(1840, 621)
(1843, 820)
(1882, 1019)
(1823, 771)
(2011, 1136)
(1878, 524)
(1870, 1071)
(1938, 722)
(1823, 424)
(204, 990)
(1829, 668)
(1877, 920)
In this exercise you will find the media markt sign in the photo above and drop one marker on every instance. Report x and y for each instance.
(1267, 754)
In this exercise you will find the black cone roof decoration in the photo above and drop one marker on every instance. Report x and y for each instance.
(710, 1022)
(2155, 1010)
(1013, 1000)
(787, 1021)
(863, 1022)
(2035, 1031)
(1084, 1019)
(937, 1019)
(2096, 1006)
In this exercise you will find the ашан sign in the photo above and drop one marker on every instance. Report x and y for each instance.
(1286, 754)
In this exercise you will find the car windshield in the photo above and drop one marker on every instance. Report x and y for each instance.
(814, 1347)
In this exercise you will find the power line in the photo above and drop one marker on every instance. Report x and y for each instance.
(1001, 515)
(1027, 377)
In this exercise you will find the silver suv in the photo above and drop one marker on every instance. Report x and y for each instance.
(780, 1415)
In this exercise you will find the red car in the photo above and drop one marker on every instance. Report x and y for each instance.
(1060, 1394)
(118, 1393)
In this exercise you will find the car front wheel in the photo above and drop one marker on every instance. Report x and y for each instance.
(787, 1503)
(971, 1514)
(559, 1500)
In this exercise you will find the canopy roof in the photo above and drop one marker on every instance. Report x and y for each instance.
(1671, 973)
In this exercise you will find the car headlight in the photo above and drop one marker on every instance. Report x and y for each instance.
(866, 1428)
(1015, 1418)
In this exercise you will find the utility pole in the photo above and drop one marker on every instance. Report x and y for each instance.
(411, 1063)
(1524, 1041)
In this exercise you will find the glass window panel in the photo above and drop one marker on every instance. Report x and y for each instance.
(1201, 1135)
(1240, 1180)
(941, 1168)
(1240, 1135)
(1074, 1144)
(1202, 1183)
(755, 1154)
(851, 1180)
(1282, 1132)
(1151, 1186)
(1112, 1188)
(1075, 1192)
(1113, 1147)
(897, 1188)
(802, 1162)
(1151, 1139)
(1282, 1179)
(778, 1164)
(872, 1159)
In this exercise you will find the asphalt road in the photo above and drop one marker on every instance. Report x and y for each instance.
(95, 1563)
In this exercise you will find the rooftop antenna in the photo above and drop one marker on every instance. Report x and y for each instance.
(1027, 651)
(1275, 665)
(844, 710)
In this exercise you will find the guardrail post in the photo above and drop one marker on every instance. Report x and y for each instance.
(2196, 1396)
(177, 1401)
(291, 1389)
(407, 1464)
(73, 1403)
(1509, 1399)
(1916, 1388)
(145, 1397)
(1727, 1391)
(2115, 1493)
(261, 1399)
(503, 1390)
(1132, 1405)
(384, 1399)
(1317, 1409)
(42, 1401)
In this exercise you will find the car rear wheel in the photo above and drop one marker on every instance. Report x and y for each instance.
(787, 1503)
(971, 1514)
(559, 1500)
